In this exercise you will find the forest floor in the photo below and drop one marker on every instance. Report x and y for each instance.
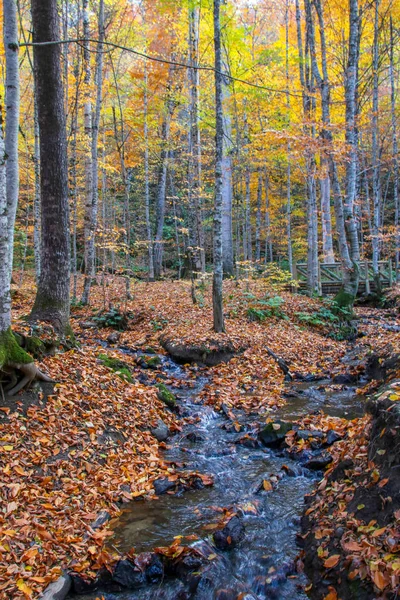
(85, 447)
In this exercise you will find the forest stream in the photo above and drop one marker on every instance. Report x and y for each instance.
(263, 564)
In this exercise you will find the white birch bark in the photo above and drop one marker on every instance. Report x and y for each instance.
(5, 254)
(12, 101)
(395, 149)
(218, 312)
(376, 186)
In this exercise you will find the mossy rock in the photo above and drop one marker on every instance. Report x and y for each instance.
(166, 396)
(120, 367)
(152, 362)
(273, 434)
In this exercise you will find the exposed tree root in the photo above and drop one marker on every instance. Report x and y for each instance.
(29, 371)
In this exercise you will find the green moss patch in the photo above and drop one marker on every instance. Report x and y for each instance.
(166, 396)
(11, 351)
(120, 367)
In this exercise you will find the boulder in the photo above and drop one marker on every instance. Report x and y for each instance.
(162, 486)
(273, 434)
(319, 461)
(231, 534)
(58, 590)
(161, 432)
(128, 575)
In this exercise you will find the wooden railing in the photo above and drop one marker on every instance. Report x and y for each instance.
(331, 277)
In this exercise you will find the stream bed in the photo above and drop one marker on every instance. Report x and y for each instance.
(263, 563)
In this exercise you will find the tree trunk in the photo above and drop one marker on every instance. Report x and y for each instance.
(395, 155)
(12, 99)
(36, 200)
(92, 122)
(288, 168)
(196, 233)
(52, 302)
(5, 249)
(326, 218)
(161, 194)
(258, 220)
(218, 312)
(376, 187)
(227, 191)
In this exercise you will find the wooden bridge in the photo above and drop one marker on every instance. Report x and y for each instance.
(330, 276)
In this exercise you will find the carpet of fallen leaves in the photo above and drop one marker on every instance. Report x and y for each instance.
(87, 447)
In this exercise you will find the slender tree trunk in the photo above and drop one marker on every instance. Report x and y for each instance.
(161, 195)
(268, 251)
(147, 176)
(218, 312)
(289, 166)
(36, 200)
(12, 99)
(5, 249)
(258, 220)
(52, 302)
(196, 234)
(395, 148)
(376, 186)
(351, 91)
(326, 218)
(227, 191)
(92, 122)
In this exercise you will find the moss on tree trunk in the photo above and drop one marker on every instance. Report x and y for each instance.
(11, 352)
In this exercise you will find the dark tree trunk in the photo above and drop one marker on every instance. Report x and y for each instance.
(52, 301)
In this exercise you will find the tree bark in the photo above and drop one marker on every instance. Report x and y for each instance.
(12, 99)
(376, 186)
(92, 122)
(5, 249)
(227, 189)
(52, 302)
(218, 313)
(395, 149)
(196, 233)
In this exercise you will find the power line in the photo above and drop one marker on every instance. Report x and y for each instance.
(166, 62)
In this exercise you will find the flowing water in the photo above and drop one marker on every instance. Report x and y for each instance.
(262, 565)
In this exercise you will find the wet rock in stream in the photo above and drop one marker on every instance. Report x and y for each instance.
(230, 536)
(274, 433)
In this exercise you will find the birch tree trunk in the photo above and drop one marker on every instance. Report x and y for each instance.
(288, 168)
(196, 233)
(227, 186)
(5, 249)
(326, 218)
(36, 200)
(92, 207)
(12, 100)
(218, 312)
(395, 148)
(162, 190)
(351, 91)
(376, 187)
(312, 214)
(52, 302)
(146, 160)
(258, 220)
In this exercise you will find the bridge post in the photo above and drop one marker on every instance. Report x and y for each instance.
(390, 269)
